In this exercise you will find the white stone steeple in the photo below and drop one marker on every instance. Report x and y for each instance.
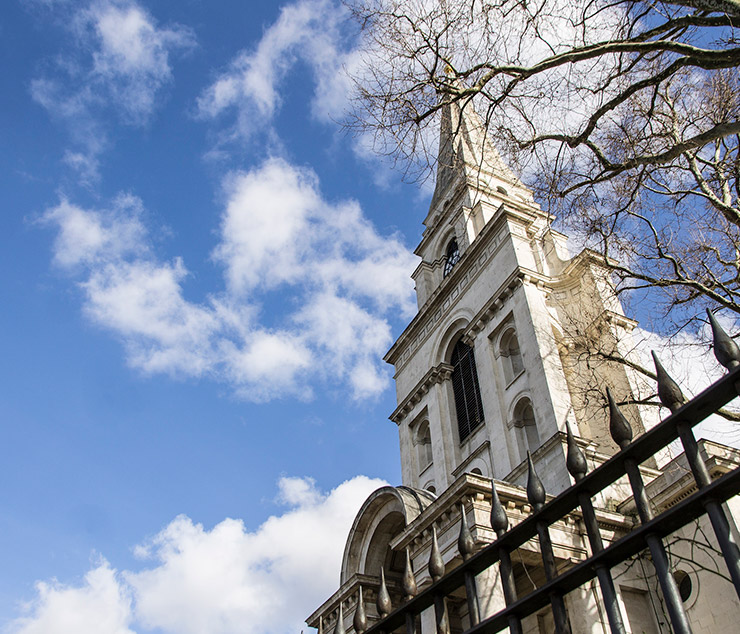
(500, 353)
(483, 372)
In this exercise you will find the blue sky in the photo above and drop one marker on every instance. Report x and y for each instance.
(202, 273)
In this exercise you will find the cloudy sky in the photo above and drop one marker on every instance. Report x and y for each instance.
(202, 273)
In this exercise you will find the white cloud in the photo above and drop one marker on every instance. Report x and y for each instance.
(119, 61)
(278, 230)
(330, 279)
(101, 605)
(88, 236)
(318, 35)
(221, 581)
(313, 32)
(131, 55)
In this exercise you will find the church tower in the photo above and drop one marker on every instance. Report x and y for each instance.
(513, 337)
(489, 367)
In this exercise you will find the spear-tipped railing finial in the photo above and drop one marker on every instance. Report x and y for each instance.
(576, 460)
(360, 620)
(499, 520)
(619, 427)
(383, 602)
(535, 489)
(668, 391)
(465, 542)
(408, 582)
(436, 564)
(339, 629)
(725, 348)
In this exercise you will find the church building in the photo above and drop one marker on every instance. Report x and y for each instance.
(513, 337)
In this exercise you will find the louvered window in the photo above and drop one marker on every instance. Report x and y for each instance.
(466, 389)
(451, 257)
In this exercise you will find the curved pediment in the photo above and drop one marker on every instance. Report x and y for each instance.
(385, 514)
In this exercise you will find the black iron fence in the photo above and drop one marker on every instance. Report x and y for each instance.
(650, 534)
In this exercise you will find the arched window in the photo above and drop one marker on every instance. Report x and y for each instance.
(424, 445)
(529, 438)
(511, 357)
(466, 390)
(452, 256)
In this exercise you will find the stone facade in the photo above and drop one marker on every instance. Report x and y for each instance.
(495, 276)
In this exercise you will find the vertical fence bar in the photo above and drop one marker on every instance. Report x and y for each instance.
(577, 467)
(728, 354)
(500, 524)
(466, 546)
(714, 510)
(410, 623)
(622, 434)
(536, 496)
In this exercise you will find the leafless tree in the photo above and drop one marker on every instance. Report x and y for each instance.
(622, 115)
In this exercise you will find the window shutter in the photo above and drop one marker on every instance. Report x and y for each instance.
(466, 390)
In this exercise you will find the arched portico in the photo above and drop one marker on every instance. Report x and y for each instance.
(383, 516)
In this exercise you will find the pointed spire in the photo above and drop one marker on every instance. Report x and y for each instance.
(383, 602)
(339, 629)
(465, 146)
(668, 391)
(619, 428)
(465, 542)
(535, 489)
(725, 348)
(360, 620)
(576, 460)
(436, 565)
(408, 583)
(499, 520)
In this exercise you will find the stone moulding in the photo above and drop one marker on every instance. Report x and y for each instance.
(438, 374)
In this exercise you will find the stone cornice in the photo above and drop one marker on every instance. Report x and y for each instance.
(481, 189)
(347, 596)
(445, 511)
(445, 296)
(437, 374)
(482, 448)
(585, 258)
(675, 480)
(451, 286)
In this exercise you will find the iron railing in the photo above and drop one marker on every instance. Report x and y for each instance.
(650, 534)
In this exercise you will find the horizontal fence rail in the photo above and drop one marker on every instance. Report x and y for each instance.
(649, 534)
